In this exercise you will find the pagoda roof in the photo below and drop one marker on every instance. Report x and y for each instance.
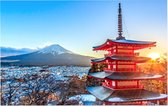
(137, 44)
(124, 75)
(105, 94)
(122, 58)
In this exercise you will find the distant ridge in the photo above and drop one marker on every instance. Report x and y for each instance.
(8, 51)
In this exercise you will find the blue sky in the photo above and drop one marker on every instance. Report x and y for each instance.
(80, 25)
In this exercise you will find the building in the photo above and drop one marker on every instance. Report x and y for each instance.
(121, 79)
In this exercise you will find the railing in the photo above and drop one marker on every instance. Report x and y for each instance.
(122, 87)
(125, 69)
(119, 69)
(122, 54)
(107, 69)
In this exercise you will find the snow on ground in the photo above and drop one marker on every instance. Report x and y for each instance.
(83, 97)
(60, 72)
(86, 99)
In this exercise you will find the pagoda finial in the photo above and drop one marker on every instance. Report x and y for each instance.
(120, 37)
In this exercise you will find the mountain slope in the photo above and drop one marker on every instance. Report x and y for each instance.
(51, 55)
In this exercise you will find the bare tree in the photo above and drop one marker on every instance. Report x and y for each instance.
(39, 88)
(9, 91)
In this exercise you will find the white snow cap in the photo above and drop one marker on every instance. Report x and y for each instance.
(54, 49)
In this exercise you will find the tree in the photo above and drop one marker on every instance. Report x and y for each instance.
(36, 89)
(9, 91)
(91, 81)
(160, 85)
(39, 89)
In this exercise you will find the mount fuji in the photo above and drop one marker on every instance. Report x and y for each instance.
(52, 55)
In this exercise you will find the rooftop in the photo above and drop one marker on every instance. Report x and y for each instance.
(137, 44)
(124, 75)
(124, 95)
(122, 58)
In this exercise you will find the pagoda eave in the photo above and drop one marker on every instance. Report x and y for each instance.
(135, 44)
(121, 58)
(124, 76)
(161, 97)
(118, 96)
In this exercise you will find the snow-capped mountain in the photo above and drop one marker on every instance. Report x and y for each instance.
(51, 55)
(54, 49)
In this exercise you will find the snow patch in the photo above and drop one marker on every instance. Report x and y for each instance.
(83, 97)
(55, 50)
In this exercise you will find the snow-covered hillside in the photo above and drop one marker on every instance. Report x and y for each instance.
(54, 49)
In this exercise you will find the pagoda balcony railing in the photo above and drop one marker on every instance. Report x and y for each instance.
(120, 69)
(122, 54)
(122, 87)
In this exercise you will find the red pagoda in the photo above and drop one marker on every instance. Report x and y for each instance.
(121, 79)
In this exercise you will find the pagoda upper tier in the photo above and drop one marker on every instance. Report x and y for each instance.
(133, 44)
